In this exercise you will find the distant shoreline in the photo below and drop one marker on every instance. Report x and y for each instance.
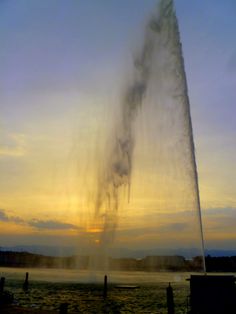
(148, 263)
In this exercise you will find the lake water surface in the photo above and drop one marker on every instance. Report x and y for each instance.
(84, 276)
(83, 290)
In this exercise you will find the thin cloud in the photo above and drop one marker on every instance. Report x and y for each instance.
(35, 223)
(6, 218)
(220, 211)
(165, 228)
(3, 215)
(220, 219)
(174, 227)
(12, 145)
(51, 224)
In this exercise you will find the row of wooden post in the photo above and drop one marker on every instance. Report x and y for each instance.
(25, 284)
(64, 306)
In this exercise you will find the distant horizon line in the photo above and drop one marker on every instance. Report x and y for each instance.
(63, 251)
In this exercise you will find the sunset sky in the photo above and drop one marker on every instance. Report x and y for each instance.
(63, 63)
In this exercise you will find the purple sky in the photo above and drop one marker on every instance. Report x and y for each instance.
(58, 47)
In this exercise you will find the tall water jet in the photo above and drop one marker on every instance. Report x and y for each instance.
(145, 199)
(118, 167)
(152, 145)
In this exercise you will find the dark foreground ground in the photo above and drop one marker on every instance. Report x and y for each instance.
(44, 298)
(20, 310)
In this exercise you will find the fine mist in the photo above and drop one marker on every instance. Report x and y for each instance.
(156, 99)
(117, 173)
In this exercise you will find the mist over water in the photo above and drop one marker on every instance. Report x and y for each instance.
(118, 167)
(150, 151)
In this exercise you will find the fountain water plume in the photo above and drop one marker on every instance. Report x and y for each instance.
(161, 41)
(118, 170)
(117, 173)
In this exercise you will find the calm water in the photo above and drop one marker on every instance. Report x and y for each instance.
(83, 290)
(78, 276)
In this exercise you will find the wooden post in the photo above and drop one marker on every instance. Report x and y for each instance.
(2, 283)
(105, 287)
(26, 283)
(170, 300)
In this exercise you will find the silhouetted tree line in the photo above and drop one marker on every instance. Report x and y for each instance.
(25, 259)
(149, 263)
(221, 264)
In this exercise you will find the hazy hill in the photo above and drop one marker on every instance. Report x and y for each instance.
(117, 252)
